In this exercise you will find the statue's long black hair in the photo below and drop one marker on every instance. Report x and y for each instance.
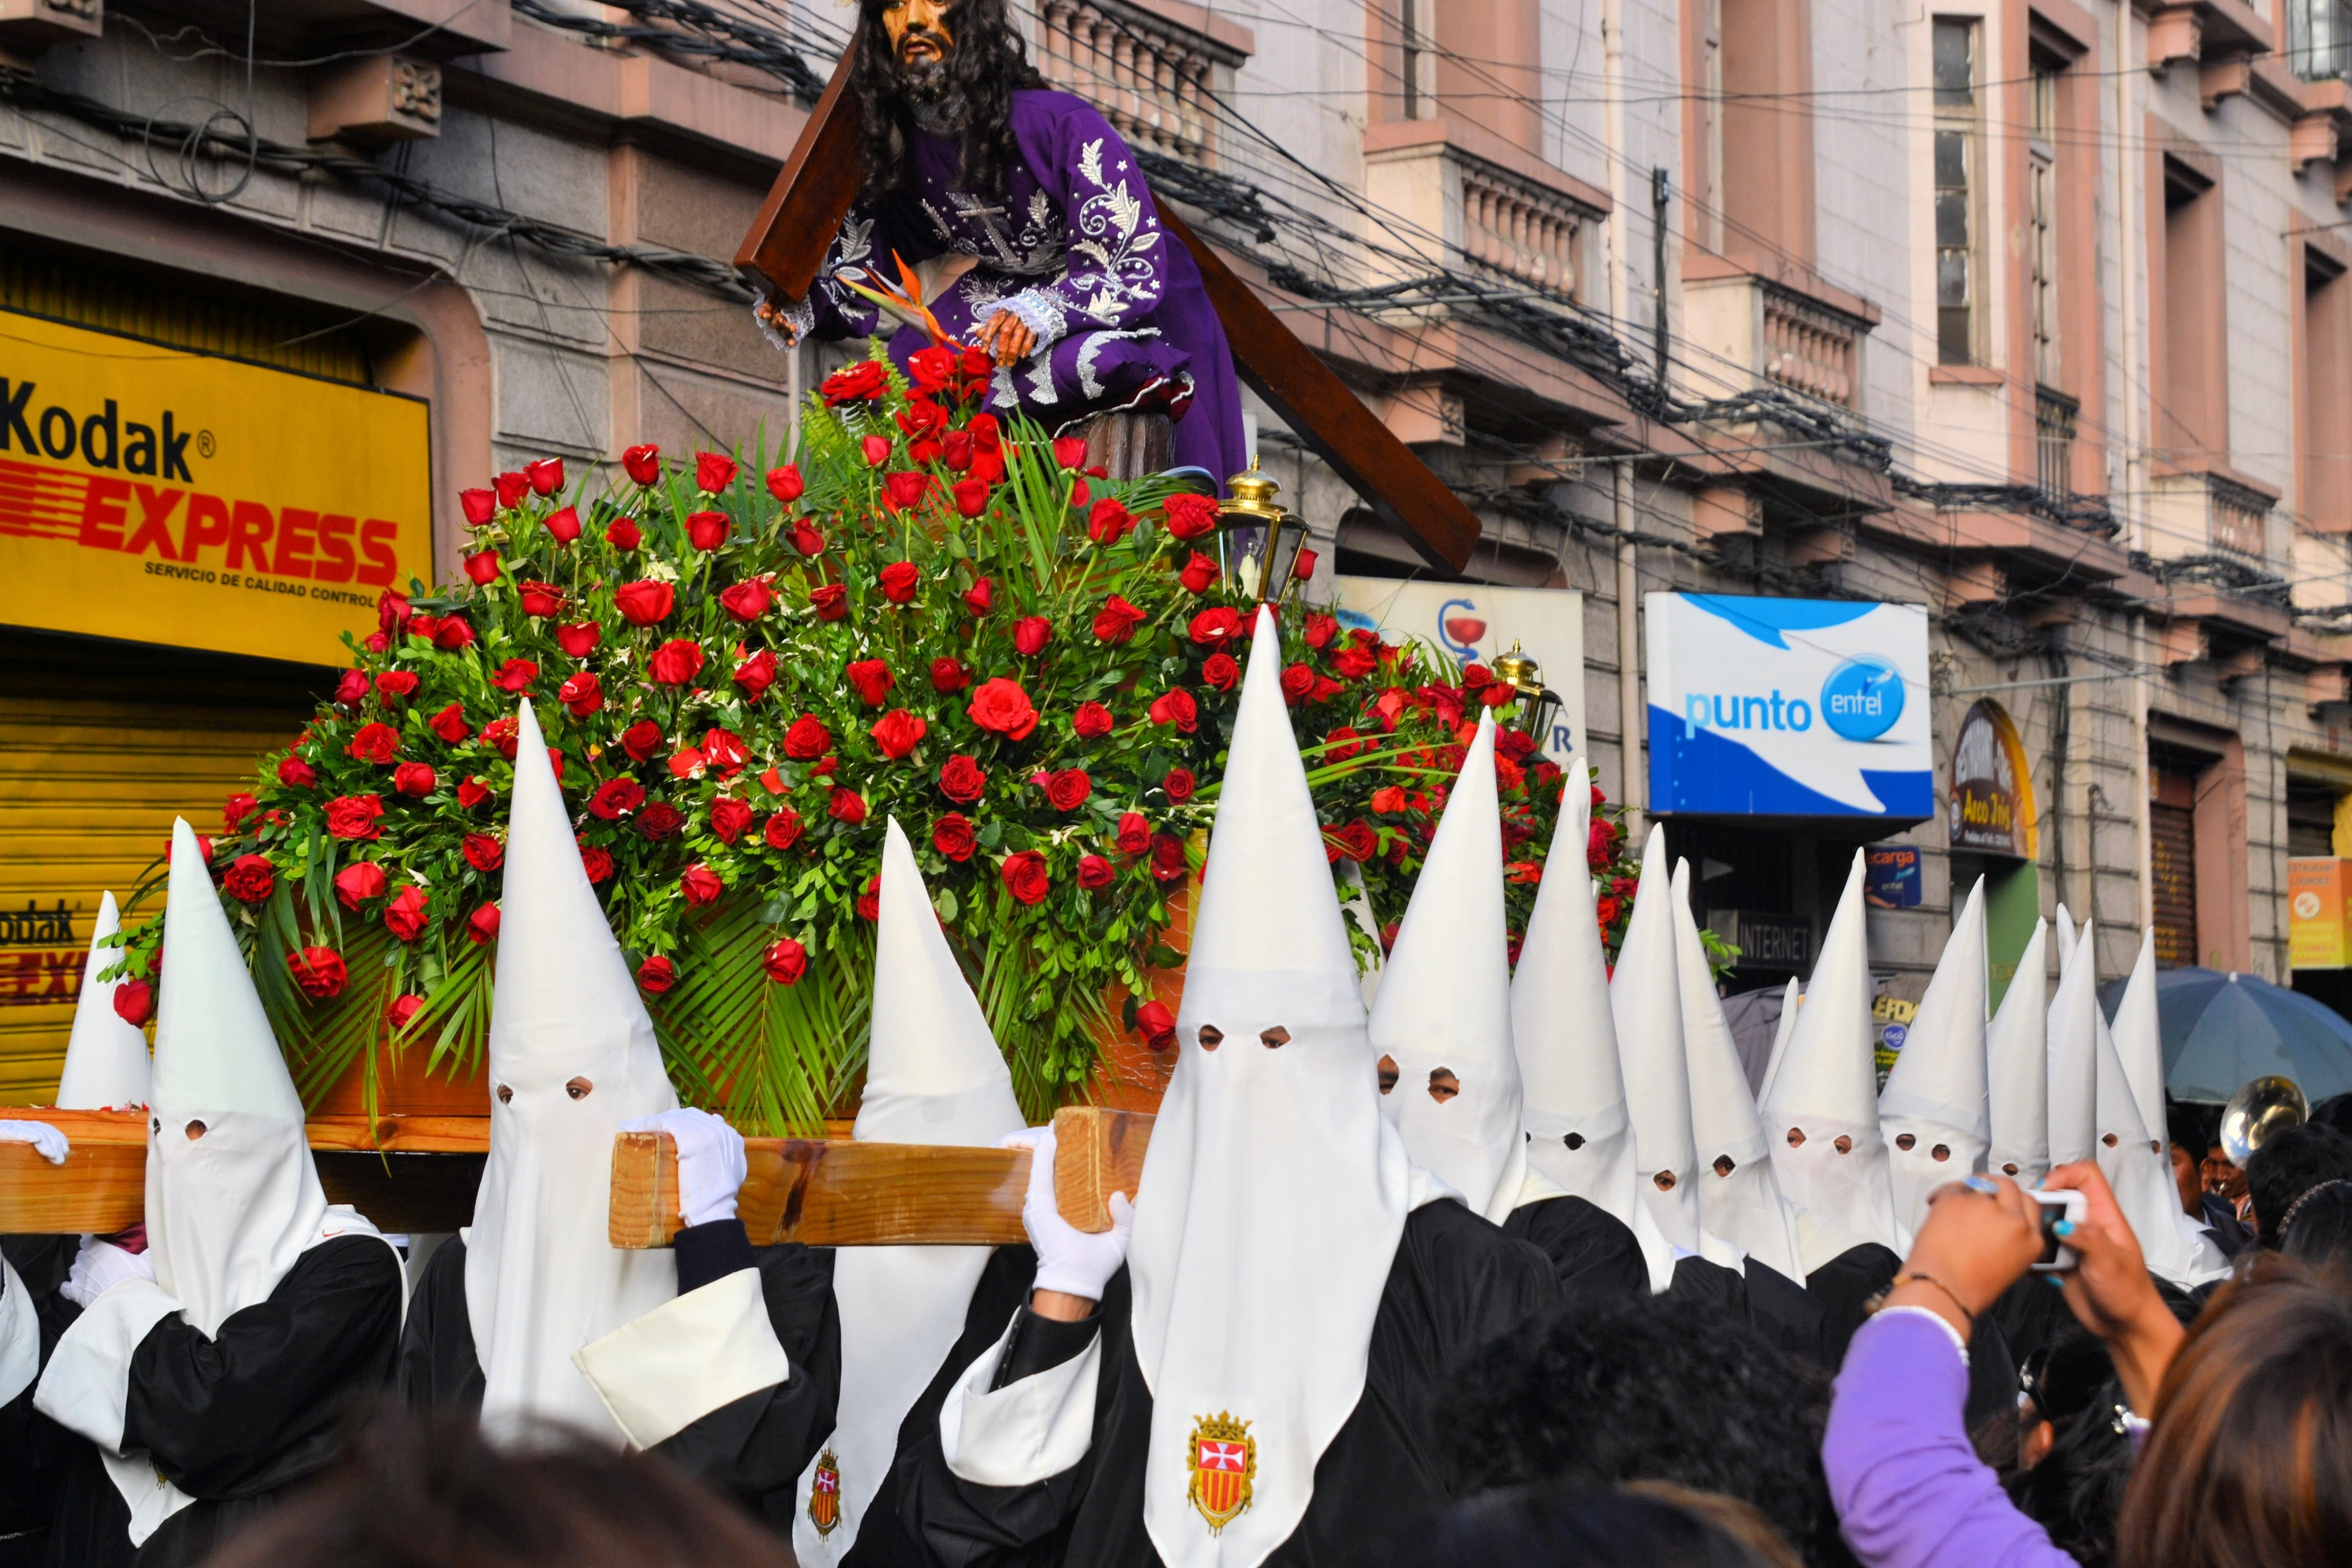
(987, 61)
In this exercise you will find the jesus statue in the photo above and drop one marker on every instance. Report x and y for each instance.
(1065, 278)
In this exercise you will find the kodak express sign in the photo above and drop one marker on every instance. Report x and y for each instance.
(165, 496)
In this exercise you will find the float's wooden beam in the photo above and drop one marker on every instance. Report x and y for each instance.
(831, 1192)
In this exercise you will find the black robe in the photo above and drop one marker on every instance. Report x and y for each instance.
(233, 1420)
(1456, 1281)
(752, 1448)
(1594, 1252)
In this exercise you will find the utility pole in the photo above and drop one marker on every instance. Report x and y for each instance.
(1659, 187)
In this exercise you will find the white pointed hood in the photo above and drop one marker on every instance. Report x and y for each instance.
(541, 1278)
(1275, 1192)
(2132, 1150)
(2017, 1069)
(233, 1203)
(2139, 1040)
(933, 1075)
(1821, 1113)
(2074, 1029)
(1580, 1133)
(1933, 1112)
(1444, 1003)
(1739, 1198)
(106, 1059)
(1646, 1001)
(1792, 998)
(2066, 938)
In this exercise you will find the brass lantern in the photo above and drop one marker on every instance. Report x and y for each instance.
(1538, 704)
(1258, 539)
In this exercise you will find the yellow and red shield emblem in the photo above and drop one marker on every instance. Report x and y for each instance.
(825, 1494)
(1223, 1462)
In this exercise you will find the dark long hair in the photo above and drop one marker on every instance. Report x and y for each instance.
(986, 62)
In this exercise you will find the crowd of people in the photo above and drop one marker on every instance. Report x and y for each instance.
(1503, 1269)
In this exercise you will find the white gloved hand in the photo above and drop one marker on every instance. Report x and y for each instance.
(1074, 1261)
(99, 1266)
(46, 1140)
(710, 1163)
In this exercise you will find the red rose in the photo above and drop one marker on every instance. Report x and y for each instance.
(579, 640)
(713, 472)
(451, 635)
(1002, 705)
(980, 595)
(1212, 628)
(540, 598)
(728, 818)
(676, 662)
(403, 1007)
(354, 817)
(1070, 451)
(622, 533)
(932, 369)
(1356, 841)
(351, 687)
(1107, 523)
(784, 483)
(747, 600)
(1156, 1025)
(807, 738)
(516, 676)
(358, 882)
(1191, 516)
(512, 489)
(1320, 629)
(1094, 872)
(501, 733)
(563, 523)
(1303, 567)
(1389, 801)
(756, 674)
(830, 601)
(1134, 833)
(481, 507)
(872, 678)
(1354, 663)
(1029, 636)
(546, 475)
(659, 820)
(864, 379)
(807, 539)
(1168, 857)
(1341, 744)
(971, 495)
(646, 603)
(250, 879)
(701, 884)
(897, 732)
(706, 531)
(134, 1001)
(615, 797)
(953, 837)
(1117, 620)
(1176, 708)
(949, 676)
(724, 748)
(1297, 680)
(846, 806)
(394, 685)
(641, 464)
(904, 489)
(1091, 720)
(483, 567)
(869, 899)
(1180, 785)
(1024, 876)
(657, 975)
(583, 694)
(961, 779)
(482, 924)
(1508, 776)
(403, 915)
(785, 960)
(1515, 745)
(413, 779)
(1198, 572)
(296, 774)
(596, 863)
(1067, 790)
(784, 829)
(897, 581)
(641, 740)
(472, 792)
(1220, 671)
(320, 971)
(875, 449)
(482, 852)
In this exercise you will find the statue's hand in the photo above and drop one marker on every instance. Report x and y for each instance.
(776, 321)
(1007, 337)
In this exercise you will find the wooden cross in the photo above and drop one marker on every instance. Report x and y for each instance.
(813, 193)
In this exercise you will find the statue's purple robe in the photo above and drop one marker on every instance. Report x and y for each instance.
(1076, 251)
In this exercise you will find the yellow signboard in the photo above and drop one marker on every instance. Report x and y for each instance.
(2316, 890)
(163, 496)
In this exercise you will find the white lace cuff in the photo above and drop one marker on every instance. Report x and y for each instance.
(1042, 313)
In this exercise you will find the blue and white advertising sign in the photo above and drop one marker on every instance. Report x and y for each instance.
(1470, 623)
(1788, 707)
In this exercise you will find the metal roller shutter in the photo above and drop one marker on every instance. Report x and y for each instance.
(2172, 842)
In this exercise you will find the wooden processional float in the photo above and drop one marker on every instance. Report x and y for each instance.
(419, 1173)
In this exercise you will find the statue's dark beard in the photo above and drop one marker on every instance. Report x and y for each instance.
(935, 99)
(924, 81)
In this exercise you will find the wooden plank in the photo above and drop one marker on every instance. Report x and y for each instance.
(101, 1187)
(842, 1193)
(1330, 418)
(788, 239)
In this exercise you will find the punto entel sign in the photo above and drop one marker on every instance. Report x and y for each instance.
(165, 496)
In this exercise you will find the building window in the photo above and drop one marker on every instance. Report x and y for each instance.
(2042, 218)
(1959, 268)
(2323, 400)
(2054, 436)
(2319, 38)
(1419, 67)
(2191, 384)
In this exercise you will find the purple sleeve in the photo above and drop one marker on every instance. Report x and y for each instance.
(1115, 275)
(1910, 1490)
